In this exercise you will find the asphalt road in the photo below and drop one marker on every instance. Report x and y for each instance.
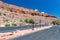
(48, 34)
(10, 29)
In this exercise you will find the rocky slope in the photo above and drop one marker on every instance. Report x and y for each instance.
(14, 14)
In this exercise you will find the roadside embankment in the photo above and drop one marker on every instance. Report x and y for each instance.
(17, 33)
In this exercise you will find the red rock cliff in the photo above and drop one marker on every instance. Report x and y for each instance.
(22, 13)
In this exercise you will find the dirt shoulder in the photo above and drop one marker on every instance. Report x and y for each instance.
(9, 35)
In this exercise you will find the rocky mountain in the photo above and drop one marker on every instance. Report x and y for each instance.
(14, 14)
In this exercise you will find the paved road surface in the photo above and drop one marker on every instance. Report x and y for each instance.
(48, 34)
(10, 29)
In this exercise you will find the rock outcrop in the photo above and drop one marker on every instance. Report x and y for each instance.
(12, 13)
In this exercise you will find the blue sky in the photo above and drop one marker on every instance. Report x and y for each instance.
(49, 6)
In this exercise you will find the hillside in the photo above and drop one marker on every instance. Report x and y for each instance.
(14, 14)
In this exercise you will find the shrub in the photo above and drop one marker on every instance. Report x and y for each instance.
(14, 24)
(26, 20)
(7, 25)
(31, 21)
(56, 22)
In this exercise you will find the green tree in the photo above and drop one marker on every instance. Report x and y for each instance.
(31, 21)
(56, 22)
(26, 20)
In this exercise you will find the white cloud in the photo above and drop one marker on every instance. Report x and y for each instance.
(42, 12)
(36, 9)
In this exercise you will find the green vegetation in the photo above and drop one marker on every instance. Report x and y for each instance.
(56, 22)
(7, 25)
(13, 24)
(31, 21)
(26, 20)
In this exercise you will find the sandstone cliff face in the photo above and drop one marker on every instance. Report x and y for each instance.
(15, 14)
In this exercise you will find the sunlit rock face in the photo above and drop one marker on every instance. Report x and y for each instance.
(14, 13)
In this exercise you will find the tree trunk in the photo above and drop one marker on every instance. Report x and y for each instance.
(33, 27)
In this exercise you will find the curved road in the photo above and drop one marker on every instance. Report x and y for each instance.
(10, 29)
(48, 34)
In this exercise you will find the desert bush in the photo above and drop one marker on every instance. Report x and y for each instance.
(56, 22)
(27, 20)
(13, 24)
(31, 21)
(7, 25)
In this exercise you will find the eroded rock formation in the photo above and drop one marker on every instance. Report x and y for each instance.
(14, 13)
